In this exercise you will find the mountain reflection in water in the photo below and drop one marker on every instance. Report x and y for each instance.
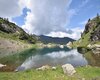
(54, 58)
(49, 56)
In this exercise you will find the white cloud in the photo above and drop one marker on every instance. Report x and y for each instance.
(47, 16)
(75, 33)
(11, 8)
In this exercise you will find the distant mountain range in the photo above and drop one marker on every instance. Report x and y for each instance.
(56, 40)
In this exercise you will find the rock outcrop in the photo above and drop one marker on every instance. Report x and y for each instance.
(95, 36)
(93, 27)
(15, 31)
(95, 48)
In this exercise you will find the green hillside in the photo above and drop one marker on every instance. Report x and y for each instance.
(12, 31)
(91, 34)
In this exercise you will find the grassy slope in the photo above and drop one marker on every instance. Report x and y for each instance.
(85, 39)
(11, 36)
(10, 44)
(88, 73)
(83, 42)
(12, 31)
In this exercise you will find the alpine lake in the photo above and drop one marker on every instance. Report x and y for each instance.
(35, 58)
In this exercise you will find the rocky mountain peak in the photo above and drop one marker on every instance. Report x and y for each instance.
(95, 22)
(93, 27)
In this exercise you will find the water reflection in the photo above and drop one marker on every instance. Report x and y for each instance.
(53, 58)
(15, 60)
(49, 56)
(92, 58)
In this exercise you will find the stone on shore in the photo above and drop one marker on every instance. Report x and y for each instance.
(54, 68)
(68, 69)
(1, 65)
(46, 67)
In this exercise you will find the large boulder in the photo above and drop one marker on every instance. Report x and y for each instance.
(68, 69)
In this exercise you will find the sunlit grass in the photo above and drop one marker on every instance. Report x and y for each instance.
(88, 73)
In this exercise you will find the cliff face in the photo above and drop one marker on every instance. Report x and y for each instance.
(91, 35)
(93, 28)
(95, 36)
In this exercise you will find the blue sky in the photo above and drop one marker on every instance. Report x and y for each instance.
(89, 10)
(83, 13)
(56, 18)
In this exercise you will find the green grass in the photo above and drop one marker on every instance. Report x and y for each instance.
(11, 37)
(14, 38)
(88, 73)
(8, 36)
(84, 40)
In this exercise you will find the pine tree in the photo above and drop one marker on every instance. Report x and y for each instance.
(89, 20)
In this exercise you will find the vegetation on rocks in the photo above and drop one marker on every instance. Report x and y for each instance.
(14, 39)
(91, 34)
(12, 31)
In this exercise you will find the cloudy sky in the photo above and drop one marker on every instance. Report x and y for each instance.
(56, 18)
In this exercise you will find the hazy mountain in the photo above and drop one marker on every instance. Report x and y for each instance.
(56, 40)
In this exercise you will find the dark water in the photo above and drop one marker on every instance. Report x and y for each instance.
(46, 56)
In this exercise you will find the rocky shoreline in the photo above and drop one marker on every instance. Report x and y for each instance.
(95, 48)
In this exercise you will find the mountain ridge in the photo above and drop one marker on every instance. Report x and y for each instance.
(56, 40)
(91, 33)
(12, 31)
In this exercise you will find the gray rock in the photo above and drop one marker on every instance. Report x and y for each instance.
(68, 69)
(95, 48)
(54, 68)
(43, 68)
(1, 65)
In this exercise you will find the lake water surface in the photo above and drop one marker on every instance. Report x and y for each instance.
(46, 56)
